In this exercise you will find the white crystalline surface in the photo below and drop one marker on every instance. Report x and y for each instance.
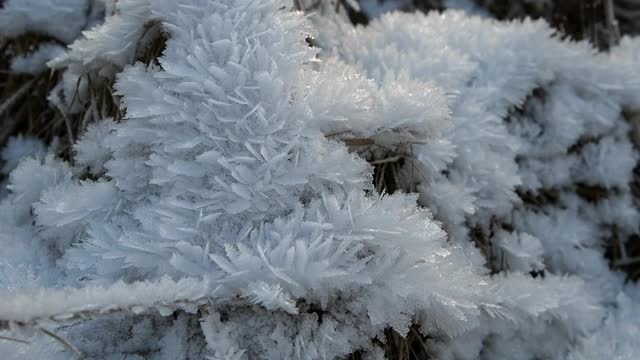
(60, 19)
(224, 217)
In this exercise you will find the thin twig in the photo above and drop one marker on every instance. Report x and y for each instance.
(76, 95)
(14, 339)
(358, 142)
(69, 346)
(387, 160)
(67, 123)
(396, 172)
(381, 178)
(5, 106)
(627, 261)
(412, 186)
(11, 122)
(338, 133)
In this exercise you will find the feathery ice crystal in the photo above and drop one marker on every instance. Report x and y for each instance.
(228, 196)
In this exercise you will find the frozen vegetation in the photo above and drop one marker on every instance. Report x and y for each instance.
(255, 197)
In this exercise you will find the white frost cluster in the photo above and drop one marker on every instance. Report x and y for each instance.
(61, 19)
(36, 61)
(18, 148)
(541, 148)
(227, 195)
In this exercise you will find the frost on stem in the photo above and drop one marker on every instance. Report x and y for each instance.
(537, 165)
(68, 89)
(228, 198)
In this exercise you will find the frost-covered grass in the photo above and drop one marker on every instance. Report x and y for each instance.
(438, 185)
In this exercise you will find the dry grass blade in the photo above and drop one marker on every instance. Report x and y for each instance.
(18, 94)
(413, 346)
(24, 105)
(392, 159)
(14, 339)
(67, 345)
